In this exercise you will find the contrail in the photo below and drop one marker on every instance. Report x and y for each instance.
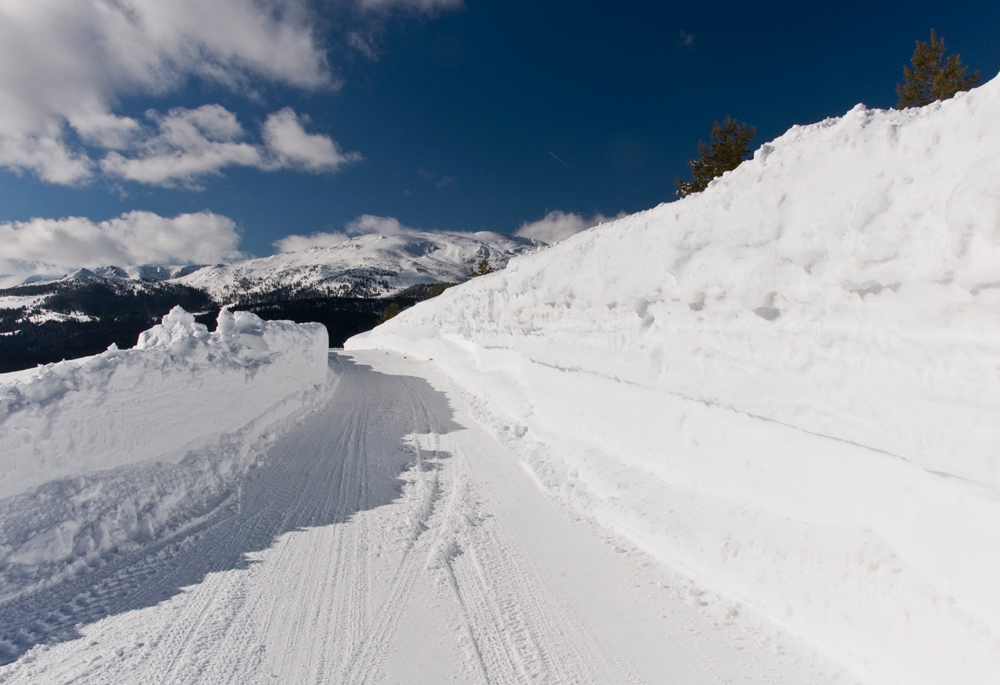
(560, 161)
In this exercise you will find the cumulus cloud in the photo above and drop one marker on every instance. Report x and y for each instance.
(383, 225)
(55, 246)
(295, 243)
(188, 144)
(365, 224)
(556, 226)
(64, 65)
(291, 146)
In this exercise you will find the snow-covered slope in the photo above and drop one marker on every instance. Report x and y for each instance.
(787, 385)
(364, 266)
(110, 291)
(144, 272)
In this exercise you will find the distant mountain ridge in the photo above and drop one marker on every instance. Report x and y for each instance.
(347, 287)
(371, 266)
(144, 272)
(367, 266)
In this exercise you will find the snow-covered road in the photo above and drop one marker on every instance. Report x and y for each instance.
(391, 538)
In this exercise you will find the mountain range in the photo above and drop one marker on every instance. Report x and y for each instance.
(348, 287)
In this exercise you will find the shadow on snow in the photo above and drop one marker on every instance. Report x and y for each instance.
(345, 458)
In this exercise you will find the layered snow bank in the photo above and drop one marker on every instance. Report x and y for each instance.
(179, 390)
(115, 454)
(788, 384)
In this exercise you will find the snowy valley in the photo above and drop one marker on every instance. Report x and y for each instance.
(747, 435)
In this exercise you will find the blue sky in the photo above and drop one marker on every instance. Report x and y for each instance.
(258, 120)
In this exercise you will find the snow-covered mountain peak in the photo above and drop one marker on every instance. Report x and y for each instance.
(148, 272)
(371, 265)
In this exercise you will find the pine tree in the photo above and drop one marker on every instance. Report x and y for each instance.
(933, 77)
(484, 267)
(729, 147)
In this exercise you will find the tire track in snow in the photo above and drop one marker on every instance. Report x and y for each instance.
(378, 509)
(518, 630)
(365, 662)
(335, 467)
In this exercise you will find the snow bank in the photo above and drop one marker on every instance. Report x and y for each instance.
(116, 453)
(179, 390)
(787, 385)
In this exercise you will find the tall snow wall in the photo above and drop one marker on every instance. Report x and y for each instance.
(787, 385)
(178, 390)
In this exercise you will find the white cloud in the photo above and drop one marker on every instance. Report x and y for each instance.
(291, 146)
(554, 227)
(296, 243)
(43, 152)
(189, 144)
(55, 246)
(363, 225)
(65, 63)
(557, 226)
(383, 225)
(107, 130)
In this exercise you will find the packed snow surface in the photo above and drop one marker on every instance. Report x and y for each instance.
(787, 386)
(387, 538)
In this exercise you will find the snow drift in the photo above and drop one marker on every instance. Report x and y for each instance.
(787, 385)
(178, 390)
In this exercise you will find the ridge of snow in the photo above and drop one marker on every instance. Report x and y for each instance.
(786, 385)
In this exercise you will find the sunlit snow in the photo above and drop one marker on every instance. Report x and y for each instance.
(787, 385)
(751, 434)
